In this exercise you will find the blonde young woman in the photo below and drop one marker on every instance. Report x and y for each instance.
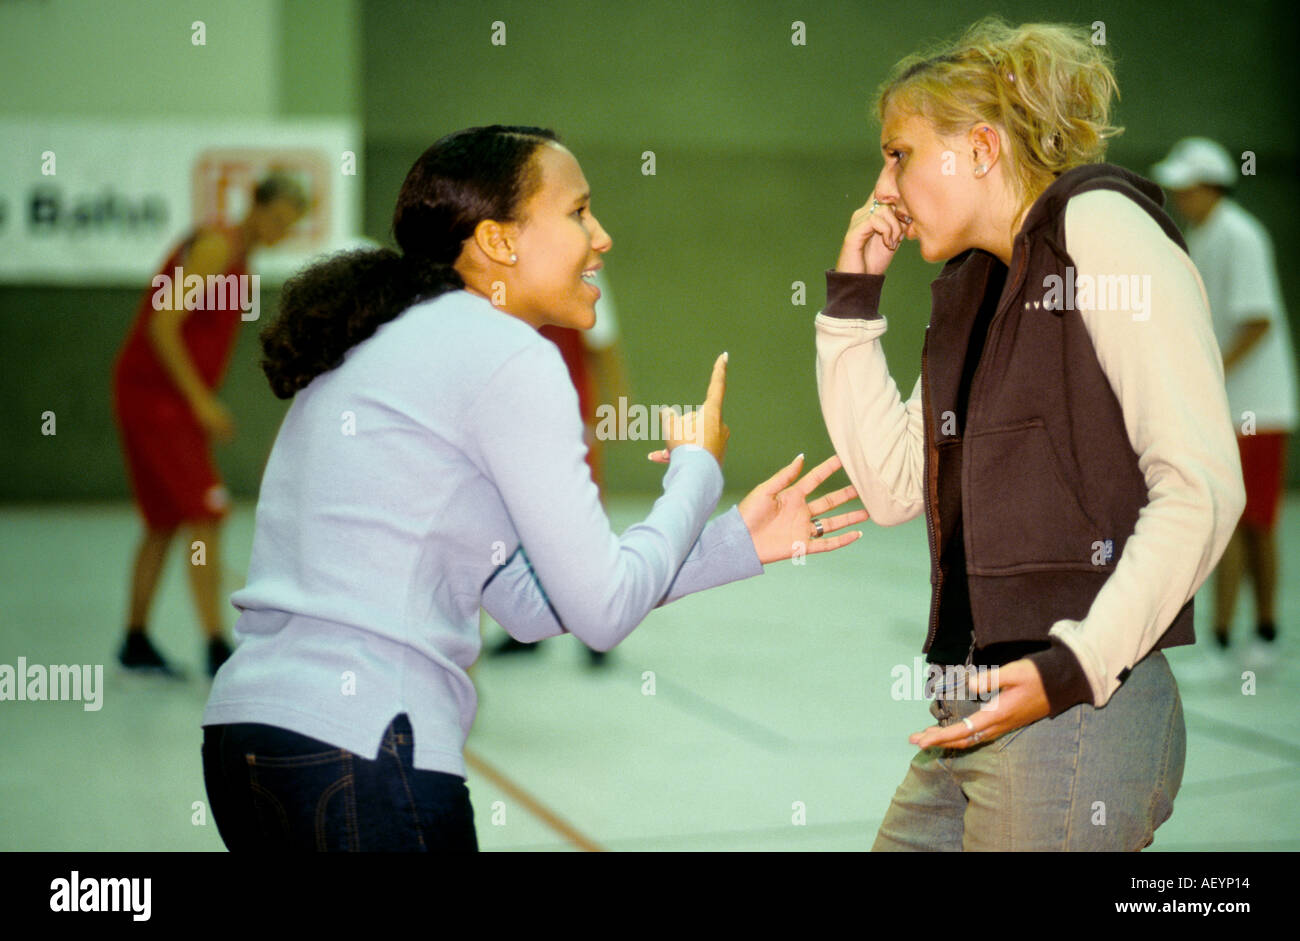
(1068, 441)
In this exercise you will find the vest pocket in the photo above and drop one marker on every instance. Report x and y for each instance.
(1020, 512)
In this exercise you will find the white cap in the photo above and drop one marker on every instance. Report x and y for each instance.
(1195, 160)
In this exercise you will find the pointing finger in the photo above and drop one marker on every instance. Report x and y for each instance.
(717, 384)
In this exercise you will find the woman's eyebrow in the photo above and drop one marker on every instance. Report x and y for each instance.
(579, 200)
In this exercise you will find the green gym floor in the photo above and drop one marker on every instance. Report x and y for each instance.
(770, 726)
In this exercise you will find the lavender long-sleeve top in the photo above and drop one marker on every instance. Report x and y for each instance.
(440, 469)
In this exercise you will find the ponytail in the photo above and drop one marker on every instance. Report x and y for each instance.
(334, 305)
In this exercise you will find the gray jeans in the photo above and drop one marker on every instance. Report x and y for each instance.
(1089, 779)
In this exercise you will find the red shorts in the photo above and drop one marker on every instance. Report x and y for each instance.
(1263, 464)
(170, 463)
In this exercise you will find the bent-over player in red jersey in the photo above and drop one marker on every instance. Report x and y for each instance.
(164, 400)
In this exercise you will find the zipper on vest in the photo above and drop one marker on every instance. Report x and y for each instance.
(929, 515)
(1012, 287)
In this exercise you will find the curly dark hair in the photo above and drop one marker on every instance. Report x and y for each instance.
(466, 177)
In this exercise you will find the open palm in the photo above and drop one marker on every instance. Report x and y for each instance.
(780, 516)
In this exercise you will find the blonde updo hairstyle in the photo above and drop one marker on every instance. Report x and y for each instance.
(1046, 84)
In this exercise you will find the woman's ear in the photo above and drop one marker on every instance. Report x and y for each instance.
(495, 241)
(985, 145)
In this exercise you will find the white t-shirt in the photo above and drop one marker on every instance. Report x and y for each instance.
(1234, 255)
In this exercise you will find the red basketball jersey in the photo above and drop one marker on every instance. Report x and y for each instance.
(208, 331)
(573, 349)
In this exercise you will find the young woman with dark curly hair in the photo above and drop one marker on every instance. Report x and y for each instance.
(1068, 441)
(432, 463)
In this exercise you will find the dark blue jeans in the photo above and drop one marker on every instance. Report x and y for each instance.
(272, 789)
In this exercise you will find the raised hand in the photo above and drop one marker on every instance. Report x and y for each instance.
(782, 521)
(874, 234)
(703, 426)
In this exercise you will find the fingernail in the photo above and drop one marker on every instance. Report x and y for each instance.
(800, 457)
(726, 356)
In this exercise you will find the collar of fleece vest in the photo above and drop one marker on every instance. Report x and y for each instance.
(1048, 211)
(1045, 220)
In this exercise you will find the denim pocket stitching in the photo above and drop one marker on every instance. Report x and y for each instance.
(294, 761)
(269, 800)
(1006, 738)
(322, 807)
(415, 807)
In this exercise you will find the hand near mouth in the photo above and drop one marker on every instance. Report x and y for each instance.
(875, 232)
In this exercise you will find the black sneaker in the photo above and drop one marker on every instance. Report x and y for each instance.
(218, 653)
(510, 645)
(139, 655)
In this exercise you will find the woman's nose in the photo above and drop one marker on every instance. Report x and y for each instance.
(600, 240)
(884, 190)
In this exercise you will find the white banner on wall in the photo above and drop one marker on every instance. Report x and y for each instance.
(87, 202)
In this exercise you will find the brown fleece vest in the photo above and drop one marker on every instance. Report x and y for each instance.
(1041, 472)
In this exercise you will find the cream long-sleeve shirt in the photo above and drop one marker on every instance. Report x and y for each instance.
(1164, 365)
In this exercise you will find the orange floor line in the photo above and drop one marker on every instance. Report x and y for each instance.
(536, 807)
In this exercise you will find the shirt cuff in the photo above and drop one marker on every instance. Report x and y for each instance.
(1063, 678)
(724, 553)
(853, 296)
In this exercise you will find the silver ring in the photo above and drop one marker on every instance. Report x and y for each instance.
(875, 204)
(976, 737)
(817, 528)
(969, 724)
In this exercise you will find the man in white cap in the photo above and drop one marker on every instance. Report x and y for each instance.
(1234, 255)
